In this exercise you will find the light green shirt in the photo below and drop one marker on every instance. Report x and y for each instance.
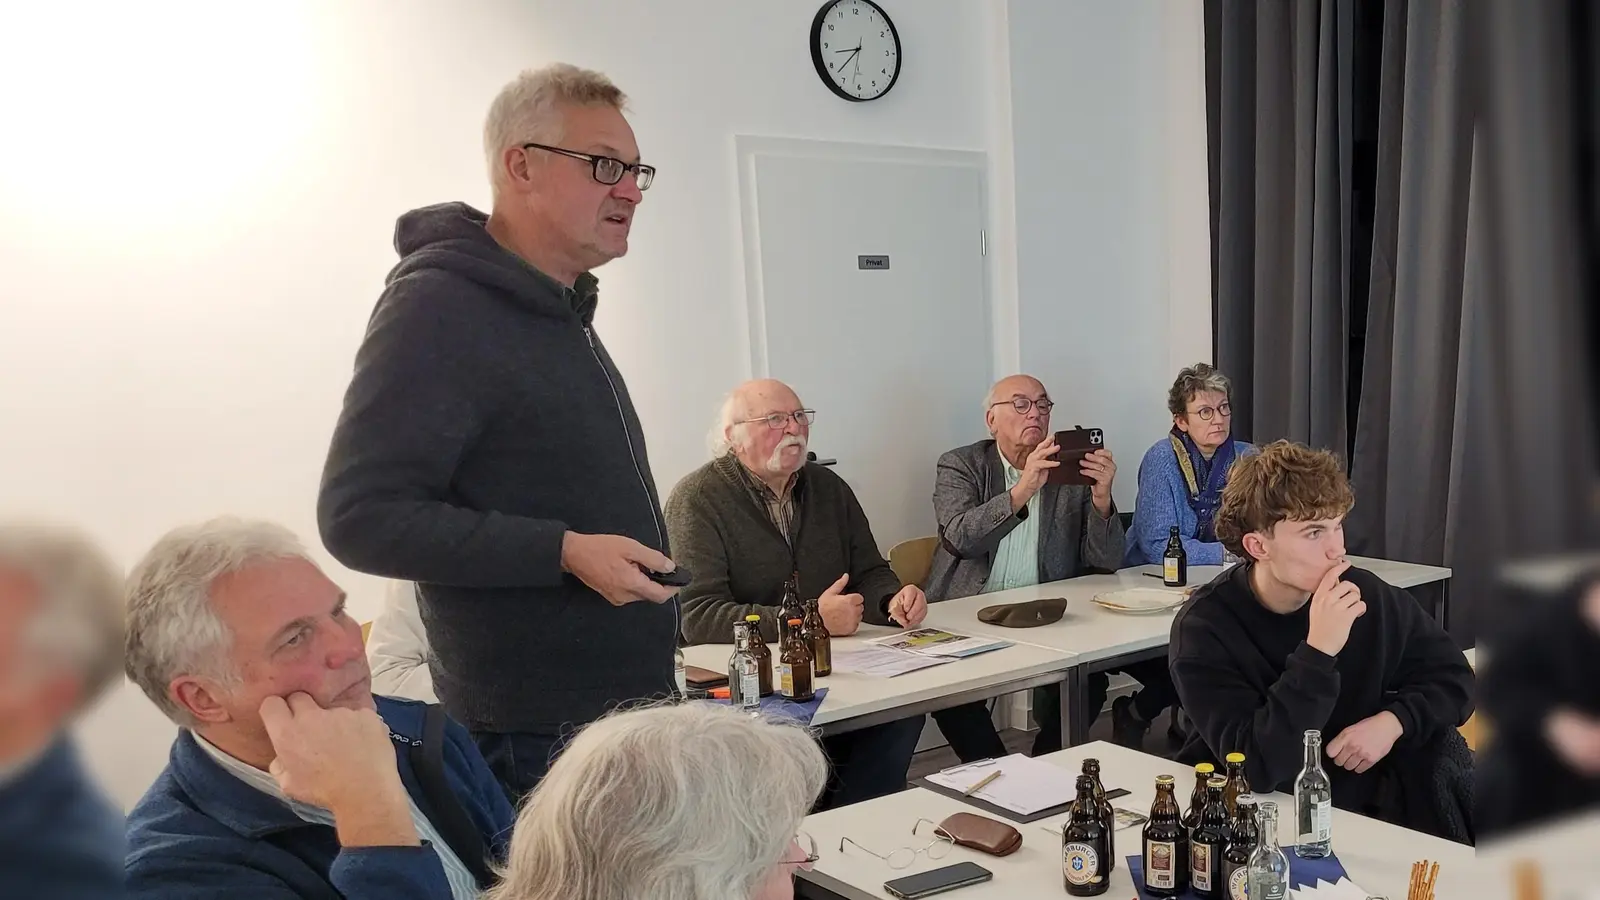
(1016, 560)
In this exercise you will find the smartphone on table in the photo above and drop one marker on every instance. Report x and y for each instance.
(937, 881)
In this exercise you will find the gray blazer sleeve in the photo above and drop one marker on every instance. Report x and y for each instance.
(969, 525)
(1102, 537)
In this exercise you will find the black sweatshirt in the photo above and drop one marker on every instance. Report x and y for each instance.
(1250, 683)
(484, 421)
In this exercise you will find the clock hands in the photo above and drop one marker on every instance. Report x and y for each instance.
(855, 56)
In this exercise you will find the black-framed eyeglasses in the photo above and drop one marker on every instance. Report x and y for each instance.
(1023, 404)
(1206, 413)
(808, 845)
(607, 169)
(903, 857)
(779, 421)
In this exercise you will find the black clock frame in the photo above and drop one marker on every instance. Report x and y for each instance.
(822, 68)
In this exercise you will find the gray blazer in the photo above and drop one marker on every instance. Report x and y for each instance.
(973, 509)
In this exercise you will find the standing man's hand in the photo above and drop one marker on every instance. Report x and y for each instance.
(840, 612)
(1101, 467)
(343, 761)
(614, 566)
(1335, 606)
(908, 607)
(1035, 471)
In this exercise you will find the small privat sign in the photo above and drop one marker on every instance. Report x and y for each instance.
(872, 262)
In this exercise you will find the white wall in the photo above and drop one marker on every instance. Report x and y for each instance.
(1113, 252)
(197, 199)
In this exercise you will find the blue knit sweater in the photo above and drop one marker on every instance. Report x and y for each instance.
(59, 838)
(1164, 502)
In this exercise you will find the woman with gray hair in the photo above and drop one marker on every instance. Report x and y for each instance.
(1181, 477)
(688, 802)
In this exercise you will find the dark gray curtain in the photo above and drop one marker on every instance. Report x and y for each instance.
(1421, 307)
(1279, 79)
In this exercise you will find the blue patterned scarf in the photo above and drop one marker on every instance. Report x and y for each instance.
(1204, 479)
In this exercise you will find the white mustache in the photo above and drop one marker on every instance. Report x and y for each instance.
(775, 462)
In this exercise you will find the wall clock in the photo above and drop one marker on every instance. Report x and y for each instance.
(855, 49)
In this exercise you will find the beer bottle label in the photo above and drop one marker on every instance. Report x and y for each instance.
(750, 687)
(1171, 568)
(786, 679)
(1200, 871)
(1239, 883)
(1160, 864)
(1080, 863)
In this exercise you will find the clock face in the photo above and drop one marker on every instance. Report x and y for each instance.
(855, 49)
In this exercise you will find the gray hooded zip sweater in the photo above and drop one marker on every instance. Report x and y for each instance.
(483, 422)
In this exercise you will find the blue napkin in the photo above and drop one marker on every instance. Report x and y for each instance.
(775, 706)
(1302, 872)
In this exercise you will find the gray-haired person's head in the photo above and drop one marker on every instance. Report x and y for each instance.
(173, 629)
(530, 109)
(68, 616)
(681, 802)
(1200, 378)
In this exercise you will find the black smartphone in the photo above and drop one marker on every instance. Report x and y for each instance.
(937, 881)
(1073, 446)
(678, 577)
(1114, 793)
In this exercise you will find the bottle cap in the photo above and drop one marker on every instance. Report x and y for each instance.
(1163, 779)
(1204, 768)
(794, 621)
(1235, 757)
(1216, 782)
(752, 618)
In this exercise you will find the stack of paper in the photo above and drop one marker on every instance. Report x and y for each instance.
(1025, 785)
(883, 662)
(934, 642)
(1343, 889)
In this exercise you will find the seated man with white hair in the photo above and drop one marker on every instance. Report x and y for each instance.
(60, 648)
(288, 777)
(687, 802)
(745, 522)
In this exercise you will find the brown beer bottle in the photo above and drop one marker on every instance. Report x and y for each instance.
(1242, 839)
(794, 666)
(789, 608)
(1237, 784)
(757, 645)
(1208, 843)
(1084, 845)
(1166, 844)
(815, 632)
(1091, 768)
(1197, 798)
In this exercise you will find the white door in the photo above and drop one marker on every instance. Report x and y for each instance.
(896, 360)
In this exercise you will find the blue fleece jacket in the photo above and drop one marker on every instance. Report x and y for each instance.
(59, 838)
(200, 832)
(1164, 502)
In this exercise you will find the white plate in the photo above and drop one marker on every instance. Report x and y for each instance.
(1141, 601)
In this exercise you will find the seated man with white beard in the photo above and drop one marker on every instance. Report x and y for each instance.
(759, 512)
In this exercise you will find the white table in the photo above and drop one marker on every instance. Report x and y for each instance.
(1563, 852)
(1377, 855)
(1101, 640)
(860, 701)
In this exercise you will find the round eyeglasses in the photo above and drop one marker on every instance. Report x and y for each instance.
(1023, 404)
(903, 857)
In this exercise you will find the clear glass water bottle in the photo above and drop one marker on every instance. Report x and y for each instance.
(1313, 804)
(1268, 870)
(744, 673)
(680, 678)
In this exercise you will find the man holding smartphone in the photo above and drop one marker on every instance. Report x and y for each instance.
(1004, 523)
(1296, 639)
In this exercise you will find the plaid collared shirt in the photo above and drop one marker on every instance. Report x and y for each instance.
(780, 510)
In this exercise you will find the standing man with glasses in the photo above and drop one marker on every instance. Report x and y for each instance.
(488, 449)
(1182, 475)
(1002, 525)
(759, 513)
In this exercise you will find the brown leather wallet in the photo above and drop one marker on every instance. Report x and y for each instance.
(982, 833)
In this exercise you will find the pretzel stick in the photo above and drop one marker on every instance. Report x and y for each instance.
(1411, 890)
(1433, 877)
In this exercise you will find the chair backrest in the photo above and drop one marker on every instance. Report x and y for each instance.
(912, 560)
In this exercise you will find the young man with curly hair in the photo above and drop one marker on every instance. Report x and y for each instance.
(1296, 639)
